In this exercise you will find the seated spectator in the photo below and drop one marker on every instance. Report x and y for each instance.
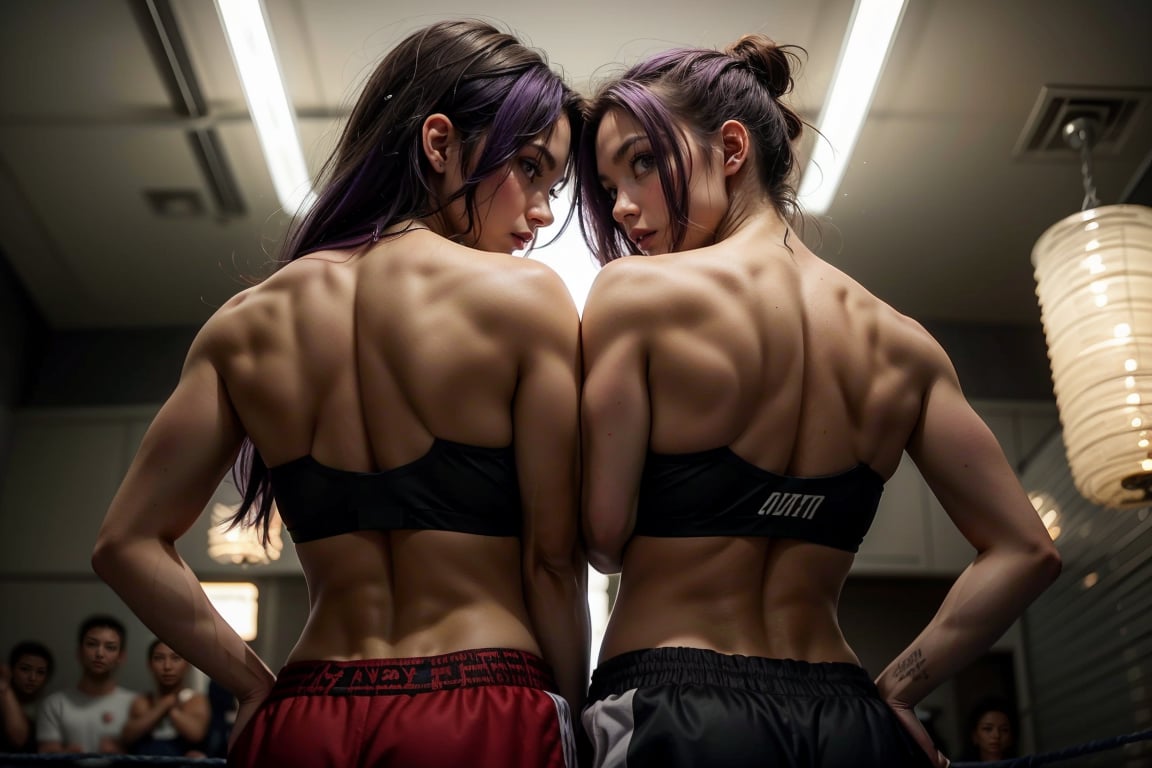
(89, 717)
(172, 720)
(991, 731)
(22, 680)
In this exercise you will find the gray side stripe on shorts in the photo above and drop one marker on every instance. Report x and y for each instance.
(567, 735)
(610, 724)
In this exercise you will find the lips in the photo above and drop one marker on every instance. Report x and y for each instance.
(523, 239)
(642, 238)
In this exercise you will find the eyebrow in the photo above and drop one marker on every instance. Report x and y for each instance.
(623, 149)
(547, 155)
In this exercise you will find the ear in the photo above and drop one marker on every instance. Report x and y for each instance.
(437, 137)
(736, 144)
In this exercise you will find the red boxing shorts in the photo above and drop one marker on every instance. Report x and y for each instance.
(484, 708)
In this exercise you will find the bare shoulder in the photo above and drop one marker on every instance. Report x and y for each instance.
(912, 346)
(631, 291)
(525, 299)
(902, 337)
(227, 328)
(921, 342)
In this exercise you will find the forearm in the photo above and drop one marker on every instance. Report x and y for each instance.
(165, 594)
(558, 603)
(192, 726)
(141, 724)
(991, 594)
(15, 724)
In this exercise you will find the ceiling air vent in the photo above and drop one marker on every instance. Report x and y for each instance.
(175, 203)
(1114, 110)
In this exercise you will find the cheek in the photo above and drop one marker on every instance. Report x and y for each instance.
(509, 197)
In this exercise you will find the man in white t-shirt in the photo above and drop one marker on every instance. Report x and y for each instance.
(90, 717)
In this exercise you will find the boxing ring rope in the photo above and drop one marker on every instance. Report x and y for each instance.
(1044, 758)
(100, 761)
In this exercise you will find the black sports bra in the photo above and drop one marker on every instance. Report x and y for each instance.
(453, 487)
(717, 493)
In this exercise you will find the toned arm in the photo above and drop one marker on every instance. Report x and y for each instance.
(545, 418)
(184, 455)
(615, 419)
(1016, 560)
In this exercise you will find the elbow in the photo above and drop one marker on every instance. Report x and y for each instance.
(1048, 563)
(604, 557)
(1040, 564)
(605, 548)
(106, 554)
(604, 563)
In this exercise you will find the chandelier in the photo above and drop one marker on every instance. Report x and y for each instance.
(1093, 274)
(241, 545)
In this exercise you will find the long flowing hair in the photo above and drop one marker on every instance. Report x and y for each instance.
(499, 95)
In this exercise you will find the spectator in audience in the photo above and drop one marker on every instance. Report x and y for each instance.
(89, 717)
(22, 681)
(991, 730)
(172, 720)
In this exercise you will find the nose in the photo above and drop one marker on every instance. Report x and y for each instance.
(540, 214)
(623, 207)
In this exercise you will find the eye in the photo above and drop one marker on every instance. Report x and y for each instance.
(611, 193)
(530, 168)
(642, 162)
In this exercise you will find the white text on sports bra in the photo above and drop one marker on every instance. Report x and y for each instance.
(781, 504)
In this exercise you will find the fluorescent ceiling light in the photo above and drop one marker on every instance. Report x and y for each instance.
(255, 59)
(870, 35)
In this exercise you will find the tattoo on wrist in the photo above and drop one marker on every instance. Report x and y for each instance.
(912, 666)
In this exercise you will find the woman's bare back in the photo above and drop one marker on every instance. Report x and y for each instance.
(766, 349)
(360, 362)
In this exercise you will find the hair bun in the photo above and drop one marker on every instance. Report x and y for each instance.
(770, 63)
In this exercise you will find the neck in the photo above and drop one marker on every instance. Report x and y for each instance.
(763, 224)
(97, 686)
(436, 223)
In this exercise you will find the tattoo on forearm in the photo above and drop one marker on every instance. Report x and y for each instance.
(912, 666)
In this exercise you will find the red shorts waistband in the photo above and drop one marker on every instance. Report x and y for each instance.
(376, 677)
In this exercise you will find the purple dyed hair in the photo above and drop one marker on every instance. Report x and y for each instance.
(686, 94)
(490, 85)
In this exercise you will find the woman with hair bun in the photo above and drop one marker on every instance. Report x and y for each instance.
(407, 391)
(744, 404)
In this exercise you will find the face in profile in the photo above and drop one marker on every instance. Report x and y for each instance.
(992, 735)
(100, 651)
(168, 667)
(29, 675)
(516, 201)
(626, 166)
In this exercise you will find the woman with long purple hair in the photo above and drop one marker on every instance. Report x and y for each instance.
(406, 390)
(744, 403)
